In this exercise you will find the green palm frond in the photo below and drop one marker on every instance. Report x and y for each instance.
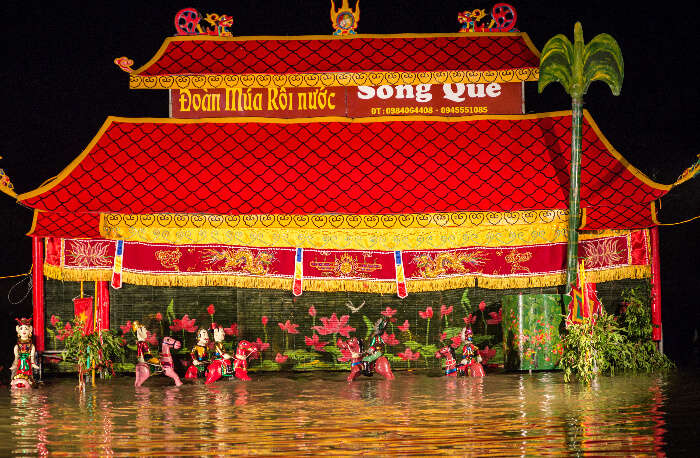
(556, 63)
(577, 65)
(602, 61)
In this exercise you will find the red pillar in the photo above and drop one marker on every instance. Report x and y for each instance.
(38, 292)
(102, 298)
(655, 285)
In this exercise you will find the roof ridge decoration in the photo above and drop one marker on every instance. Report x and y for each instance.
(503, 19)
(188, 22)
(344, 19)
(349, 60)
(6, 185)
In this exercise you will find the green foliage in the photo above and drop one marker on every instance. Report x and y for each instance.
(465, 302)
(92, 351)
(170, 312)
(369, 325)
(413, 345)
(637, 326)
(607, 347)
(636, 319)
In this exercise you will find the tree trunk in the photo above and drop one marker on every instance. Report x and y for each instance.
(574, 193)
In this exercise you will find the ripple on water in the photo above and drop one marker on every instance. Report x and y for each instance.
(503, 414)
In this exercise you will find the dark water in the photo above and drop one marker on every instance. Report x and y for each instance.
(416, 414)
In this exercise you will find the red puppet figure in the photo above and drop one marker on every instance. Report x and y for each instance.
(244, 351)
(221, 361)
(199, 355)
(471, 363)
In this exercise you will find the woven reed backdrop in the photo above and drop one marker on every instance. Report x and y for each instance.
(304, 329)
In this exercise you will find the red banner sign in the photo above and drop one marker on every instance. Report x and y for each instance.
(353, 102)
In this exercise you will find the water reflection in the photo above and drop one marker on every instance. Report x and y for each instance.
(508, 414)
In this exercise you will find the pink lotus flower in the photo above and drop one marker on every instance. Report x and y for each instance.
(126, 327)
(487, 354)
(496, 317)
(264, 320)
(289, 327)
(482, 305)
(232, 330)
(334, 325)
(390, 339)
(444, 311)
(312, 311)
(175, 327)
(427, 314)
(389, 312)
(408, 355)
(404, 326)
(54, 320)
(261, 346)
(151, 338)
(159, 316)
(281, 359)
(469, 319)
(314, 342)
(456, 341)
(188, 324)
(211, 310)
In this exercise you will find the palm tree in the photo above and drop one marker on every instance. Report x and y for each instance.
(576, 66)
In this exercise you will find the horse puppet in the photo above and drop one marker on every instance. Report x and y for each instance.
(244, 350)
(467, 367)
(450, 360)
(165, 365)
(381, 366)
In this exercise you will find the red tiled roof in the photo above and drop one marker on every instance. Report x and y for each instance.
(630, 216)
(363, 166)
(361, 53)
(65, 224)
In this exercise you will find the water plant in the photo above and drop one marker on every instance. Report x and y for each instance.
(608, 344)
(94, 350)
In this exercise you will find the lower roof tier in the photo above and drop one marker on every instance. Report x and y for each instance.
(367, 166)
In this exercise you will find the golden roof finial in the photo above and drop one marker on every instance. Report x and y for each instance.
(344, 19)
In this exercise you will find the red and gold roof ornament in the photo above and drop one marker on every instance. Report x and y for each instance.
(188, 21)
(503, 18)
(6, 185)
(344, 19)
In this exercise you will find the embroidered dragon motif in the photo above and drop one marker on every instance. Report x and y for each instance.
(447, 263)
(243, 260)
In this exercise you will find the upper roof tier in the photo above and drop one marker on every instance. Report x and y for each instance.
(204, 62)
(352, 166)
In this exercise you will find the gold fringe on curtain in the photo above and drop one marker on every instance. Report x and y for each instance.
(332, 285)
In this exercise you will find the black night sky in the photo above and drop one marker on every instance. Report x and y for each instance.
(60, 83)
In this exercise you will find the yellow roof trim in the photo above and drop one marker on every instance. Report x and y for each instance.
(34, 218)
(654, 216)
(632, 169)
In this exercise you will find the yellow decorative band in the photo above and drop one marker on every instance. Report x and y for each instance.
(115, 221)
(351, 239)
(264, 80)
